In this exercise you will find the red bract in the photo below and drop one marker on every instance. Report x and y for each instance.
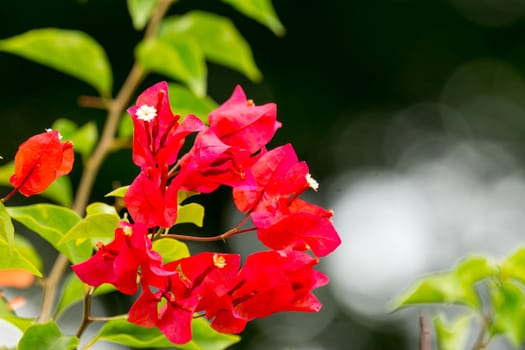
(41, 160)
(157, 136)
(195, 282)
(300, 226)
(150, 200)
(239, 122)
(118, 262)
(211, 163)
(269, 282)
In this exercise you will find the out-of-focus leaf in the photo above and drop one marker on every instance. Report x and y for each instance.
(8, 315)
(85, 138)
(51, 222)
(118, 192)
(28, 251)
(184, 102)
(12, 258)
(171, 249)
(509, 312)
(60, 191)
(456, 286)
(69, 51)
(182, 60)
(125, 127)
(216, 36)
(74, 291)
(192, 213)
(100, 222)
(452, 335)
(125, 333)
(141, 11)
(260, 10)
(513, 267)
(46, 336)
(7, 230)
(65, 127)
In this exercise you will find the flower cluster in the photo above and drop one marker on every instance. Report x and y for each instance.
(229, 151)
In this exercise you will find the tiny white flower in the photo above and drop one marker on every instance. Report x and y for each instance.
(146, 113)
(312, 182)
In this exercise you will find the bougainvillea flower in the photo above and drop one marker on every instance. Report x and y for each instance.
(239, 122)
(277, 173)
(269, 282)
(150, 200)
(196, 281)
(41, 160)
(299, 225)
(118, 262)
(157, 135)
(211, 163)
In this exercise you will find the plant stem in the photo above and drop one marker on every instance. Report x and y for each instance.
(425, 336)
(87, 180)
(221, 237)
(481, 341)
(85, 312)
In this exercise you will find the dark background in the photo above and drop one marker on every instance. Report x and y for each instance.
(338, 62)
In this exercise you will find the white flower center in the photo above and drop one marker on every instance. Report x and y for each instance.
(146, 113)
(312, 182)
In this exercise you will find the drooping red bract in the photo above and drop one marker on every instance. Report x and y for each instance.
(283, 221)
(118, 262)
(195, 282)
(269, 282)
(41, 160)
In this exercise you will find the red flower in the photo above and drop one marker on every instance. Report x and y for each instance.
(283, 221)
(157, 136)
(118, 262)
(195, 282)
(41, 160)
(269, 282)
(239, 122)
(150, 200)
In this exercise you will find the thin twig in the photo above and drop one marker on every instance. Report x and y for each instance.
(425, 335)
(85, 312)
(222, 237)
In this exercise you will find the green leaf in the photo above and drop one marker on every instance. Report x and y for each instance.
(7, 230)
(184, 102)
(260, 10)
(69, 51)
(141, 11)
(216, 36)
(171, 249)
(74, 291)
(514, 266)
(65, 127)
(452, 335)
(100, 222)
(12, 258)
(125, 127)
(182, 60)
(27, 250)
(51, 222)
(8, 315)
(128, 334)
(119, 192)
(192, 213)
(46, 336)
(509, 312)
(456, 286)
(85, 138)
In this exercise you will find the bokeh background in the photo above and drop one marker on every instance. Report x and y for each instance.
(410, 114)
